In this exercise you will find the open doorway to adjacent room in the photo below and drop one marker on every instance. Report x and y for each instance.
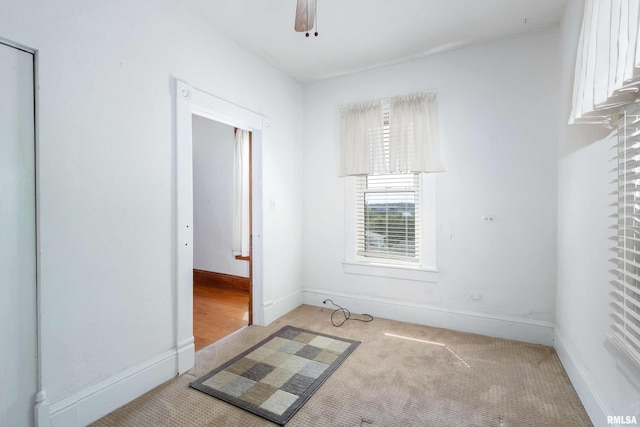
(221, 230)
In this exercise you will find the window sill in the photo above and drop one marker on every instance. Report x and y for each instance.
(625, 363)
(429, 274)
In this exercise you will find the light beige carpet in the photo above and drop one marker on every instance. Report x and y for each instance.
(401, 375)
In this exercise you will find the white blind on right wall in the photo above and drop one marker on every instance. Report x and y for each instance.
(626, 292)
(607, 74)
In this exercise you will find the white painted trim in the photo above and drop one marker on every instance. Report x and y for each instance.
(281, 306)
(185, 355)
(257, 274)
(391, 271)
(41, 406)
(507, 327)
(189, 101)
(625, 362)
(97, 401)
(184, 223)
(18, 46)
(582, 381)
(41, 411)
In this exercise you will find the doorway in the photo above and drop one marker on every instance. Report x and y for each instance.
(18, 315)
(221, 273)
(189, 101)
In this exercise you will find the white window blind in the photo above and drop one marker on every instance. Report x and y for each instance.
(626, 292)
(607, 73)
(388, 218)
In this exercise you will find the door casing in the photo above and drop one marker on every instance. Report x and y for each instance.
(190, 101)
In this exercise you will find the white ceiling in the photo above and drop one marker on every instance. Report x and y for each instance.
(355, 35)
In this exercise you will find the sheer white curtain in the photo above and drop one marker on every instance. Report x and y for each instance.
(396, 135)
(241, 194)
(414, 136)
(361, 139)
(607, 73)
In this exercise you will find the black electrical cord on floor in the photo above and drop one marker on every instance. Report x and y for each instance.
(346, 313)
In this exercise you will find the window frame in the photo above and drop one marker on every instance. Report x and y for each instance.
(363, 189)
(426, 269)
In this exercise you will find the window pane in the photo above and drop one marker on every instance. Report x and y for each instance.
(390, 223)
(388, 212)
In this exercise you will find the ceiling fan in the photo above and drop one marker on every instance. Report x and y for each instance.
(306, 17)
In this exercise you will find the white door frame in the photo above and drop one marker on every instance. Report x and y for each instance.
(189, 101)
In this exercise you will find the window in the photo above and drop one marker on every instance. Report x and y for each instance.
(626, 292)
(388, 218)
(386, 147)
(607, 82)
(394, 262)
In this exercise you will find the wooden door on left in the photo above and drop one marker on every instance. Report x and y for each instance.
(18, 318)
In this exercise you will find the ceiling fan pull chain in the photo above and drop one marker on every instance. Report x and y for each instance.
(316, 19)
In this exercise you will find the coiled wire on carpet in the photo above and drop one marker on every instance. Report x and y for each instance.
(346, 313)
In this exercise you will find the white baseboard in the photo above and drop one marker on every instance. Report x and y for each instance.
(514, 328)
(41, 410)
(97, 401)
(186, 352)
(281, 306)
(582, 382)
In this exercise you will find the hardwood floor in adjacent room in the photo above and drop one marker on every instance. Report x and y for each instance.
(217, 313)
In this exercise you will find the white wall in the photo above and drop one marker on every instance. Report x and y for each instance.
(107, 176)
(584, 232)
(498, 120)
(213, 154)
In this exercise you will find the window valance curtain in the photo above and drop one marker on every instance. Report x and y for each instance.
(361, 138)
(395, 135)
(607, 73)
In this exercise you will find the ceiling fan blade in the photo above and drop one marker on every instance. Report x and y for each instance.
(305, 15)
